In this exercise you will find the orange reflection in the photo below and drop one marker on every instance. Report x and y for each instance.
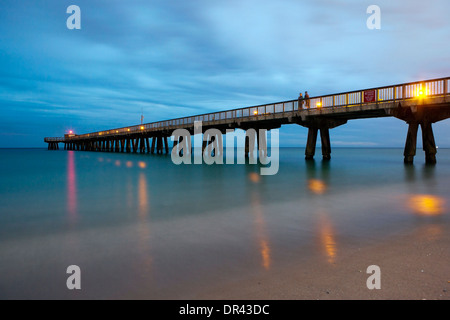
(142, 192)
(265, 254)
(426, 205)
(254, 177)
(143, 226)
(142, 164)
(71, 187)
(129, 164)
(261, 233)
(117, 163)
(317, 186)
(327, 239)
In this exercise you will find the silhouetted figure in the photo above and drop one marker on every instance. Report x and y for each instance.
(300, 101)
(307, 99)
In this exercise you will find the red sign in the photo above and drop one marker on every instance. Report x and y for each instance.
(370, 96)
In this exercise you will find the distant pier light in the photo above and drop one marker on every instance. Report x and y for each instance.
(255, 112)
(70, 134)
(142, 127)
(319, 104)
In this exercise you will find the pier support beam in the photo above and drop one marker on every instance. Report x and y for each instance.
(326, 145)
(159, 145)
(153, 144)
(147, 144)
(128, 146)
(411, 142)
(324, 125)
(429, 145)
(311, 143)
(141, 145)
(135, 145)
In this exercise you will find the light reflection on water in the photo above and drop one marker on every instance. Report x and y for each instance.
(426, 205)
(151, 219)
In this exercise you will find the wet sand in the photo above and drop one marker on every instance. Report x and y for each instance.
(414, 266)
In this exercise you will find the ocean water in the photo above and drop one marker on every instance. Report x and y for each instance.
(139, 226)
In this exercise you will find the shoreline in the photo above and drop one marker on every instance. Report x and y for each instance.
(414, 266)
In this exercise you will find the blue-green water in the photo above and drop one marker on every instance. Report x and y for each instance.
(139, 226)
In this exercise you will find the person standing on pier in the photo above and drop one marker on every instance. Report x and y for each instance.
(300, 101)
(307, 100)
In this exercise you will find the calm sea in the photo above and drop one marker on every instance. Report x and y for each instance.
(139, 226)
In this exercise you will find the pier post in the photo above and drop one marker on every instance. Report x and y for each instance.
(153, 144)
(247, 146)
(159, 146)
(311, 143)
(141, 145)
(135, 143)
(147, 144)
(326, 145)
(128, 147)
(166, 144)
(204, 143)
(411, 142)
(175, 144)
(429, 145)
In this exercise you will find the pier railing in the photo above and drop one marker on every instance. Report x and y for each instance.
(53, 139)
(400, 92)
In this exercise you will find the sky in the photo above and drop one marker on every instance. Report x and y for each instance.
(171, 58)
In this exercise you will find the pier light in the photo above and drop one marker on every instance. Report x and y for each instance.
(128, 129)
(421, 92)
(117, 131)
(142, 127)
(255, 112)
(70, 131)
(319, 104)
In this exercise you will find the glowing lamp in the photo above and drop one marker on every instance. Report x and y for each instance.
(255, 112)
(142, 127)
(319, 104)
(421, 92)
(70, 132)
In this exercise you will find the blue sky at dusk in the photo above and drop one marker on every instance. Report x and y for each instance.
(179, 58)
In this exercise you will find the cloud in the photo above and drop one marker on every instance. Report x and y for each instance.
(178, 58)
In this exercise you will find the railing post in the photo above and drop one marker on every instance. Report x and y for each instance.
(445, 86)
(403, 92)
